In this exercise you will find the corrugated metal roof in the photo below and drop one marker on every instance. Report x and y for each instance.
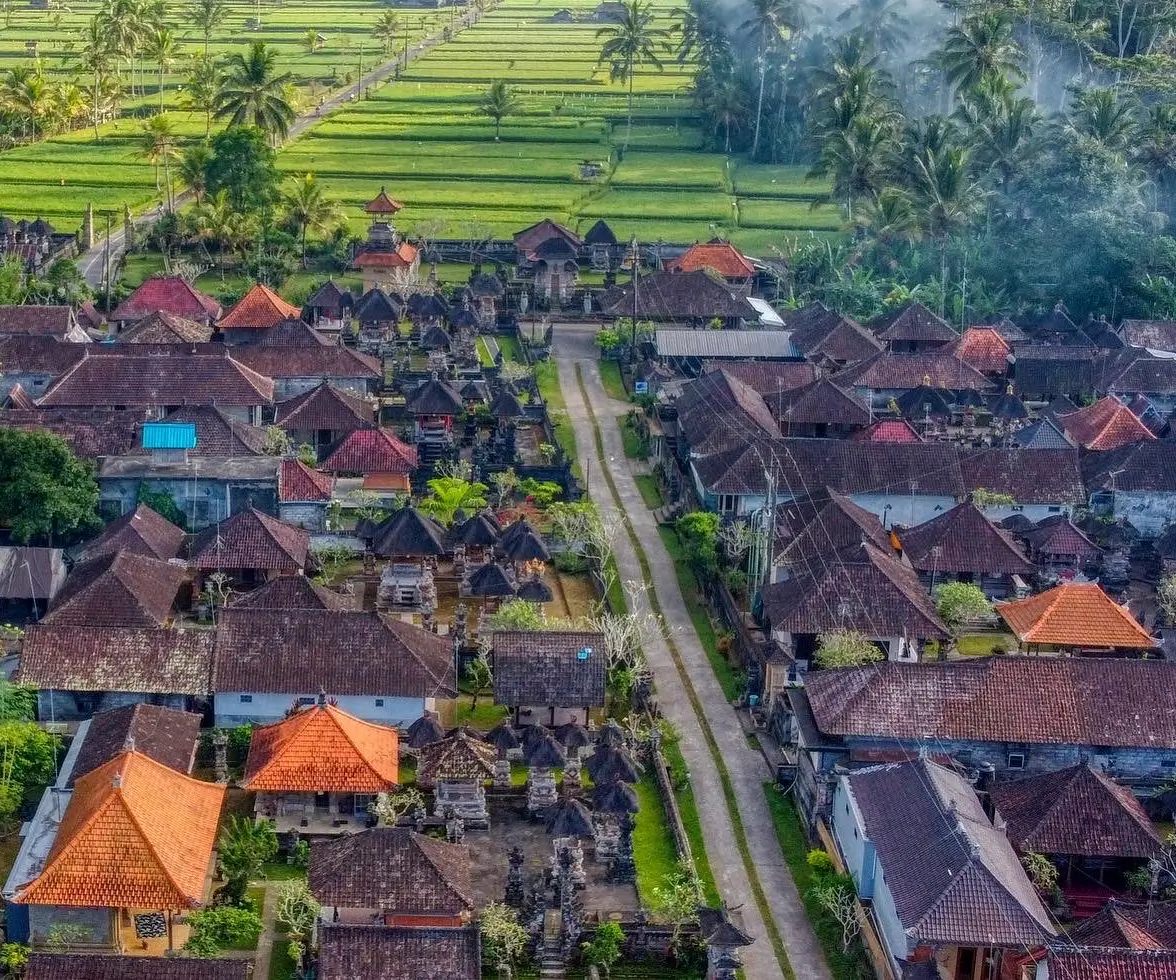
(169, 435)
(726, 343)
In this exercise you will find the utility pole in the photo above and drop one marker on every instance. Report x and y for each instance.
(360, 83)
(106, 262)
(636, 275)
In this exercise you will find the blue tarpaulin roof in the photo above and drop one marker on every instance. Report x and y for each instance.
(169, 435)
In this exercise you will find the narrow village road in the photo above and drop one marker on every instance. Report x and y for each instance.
(91, 263)
(574, 344)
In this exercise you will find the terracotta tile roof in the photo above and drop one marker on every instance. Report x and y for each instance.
(459, 757)
(913, 322)
(1122, 924)
(292, 592)
(219, 434)
(1086, 963)
(1107, 424)
(766, 377)
(889, 371)
(167, 736)
(382, 204)
(325, 407)
(171, 294)
(1074, 614)
(1075, 811)
(322, 749)
(984, 349)
(135, 834)
(299, 651)
(821, 403)
(323, 361)
(39, 355)
(141, 532)
(963, 540)
(117, 588)
(531, 237)
(365, 451)
(889, 430)
(297, 482)
(1029, 476)
(869, 591)
(1104, 701)
(116, 658)
(724, 258)
(1061, 537)
(90, 432)
(401, 257)
(98, 966)
(48, 321)
(392, 869)
(258, 309)
(251, 539)
(954, 878)
(544, 668)
(166, 328)
(125, 377)
(399, 953)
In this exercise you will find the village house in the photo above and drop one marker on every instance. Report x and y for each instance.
(886, 376)
(102, 966)
(383, 461)
(1035, 483)
(139, 532)
(118, 588)
(378, 669)
(323, 415)
(250, 547)
(329, 307)
(1075, 617)
(31, 363)
(830, 339)
(304, 495)
(691, 299)
(258, 310)
(984, 349)
(1134, 484)
(1105, 425)
(30, 579)
(912, 329)
(292, 592)
(392, 953)
(384, 256)
(298, 367)
(166, 328)
(549, 678)
(722, 258)
(58, 322)
(165, 294)
(1057, 547)
(319, 769)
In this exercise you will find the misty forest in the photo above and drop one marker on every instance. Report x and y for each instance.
(989, 156)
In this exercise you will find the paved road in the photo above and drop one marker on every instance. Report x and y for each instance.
(573, 343)
(91, 263)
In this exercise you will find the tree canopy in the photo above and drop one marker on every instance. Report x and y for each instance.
(46, 492)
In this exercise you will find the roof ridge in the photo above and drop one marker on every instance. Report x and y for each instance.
(425, 846)
(1059, 593)
(333, 712)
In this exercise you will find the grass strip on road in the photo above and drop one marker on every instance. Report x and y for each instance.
(610, 378)
(650, 491)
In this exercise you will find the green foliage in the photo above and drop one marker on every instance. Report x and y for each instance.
(242, 165)
(46, 492)
(13, 959)
(960, 604)
(820, 862)
(449, 494)
(699, 532)
(296, 909)
(991, 498)
(504, 940)
(518, 614)
(244, 847)
(498, 103)
(162, 503)
(1041, 871)
(17, 702)
(845, 648)
(478, 676)
(27, 756)
(1166, 598)
(542, 493)
(608, 340)
(221, 927)
(605, 948)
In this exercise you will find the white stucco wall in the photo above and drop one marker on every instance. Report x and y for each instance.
(262, 709)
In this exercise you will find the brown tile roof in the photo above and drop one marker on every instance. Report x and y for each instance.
(367, 451)
(322, 362)
(822, 334)
(1074, 614)
(115, 658)
(870, 592)
(1107, 424)
(677, 295)
(296, 651)
(251, 539)
(984, 349)
(821, 403)
(290, 333)
(399, 953)
(826, 526)
(544, 668)
(258, 309)
(1029, 476)
(298, 482)
(124, 377)
(1145, 466)
(459, 757)
(392, 869)
(166, 328)
(325, 407)
(171, 294)
(39, 355)
(954, 878)
(1122, 924)
(292, 592)
(1061, 537)
(1085, 963)
(963, 540)
(898, 371)
(766, 377)
(97, 966)
(167, 736)
(141, 532)
(322, 749)
(724, 258)
(135, 834)
(913, 322)
(90, 432)
(30, 573)
(1069, 700)
(1075, 811)
(533, 236)
(20, 399)
(117, 588)
(219, 434)
(47, 321)
(718, 412)
(1153, 334)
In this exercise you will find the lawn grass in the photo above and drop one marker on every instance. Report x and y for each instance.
(631, 441)
(610, 379)
(281, 871)
(688, 810)
(725, 672)
(650, 491)
(795, 848)
(547, 380)
(653, 842)
(484, 717)
(981, 644)
(281, 966)
(257, 894)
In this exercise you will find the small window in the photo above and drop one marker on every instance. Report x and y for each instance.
(307, 700)
(1169, 763)
(1055, 510)
(1016, 760)
(247, 699)
(379, 702)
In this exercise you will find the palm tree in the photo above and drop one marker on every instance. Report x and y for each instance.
(26, 94)
(498, 102)
(203, 89)
(313, 41)
(980, 46)
(207, 16)
(1156, 149)
(946, 198)
(857, 158)
(890, 216)
(253, 95)
(157, 145)
(96, 59)
(162, 48)
(387, 29)
(727, 106)
(123, 23)
(308, 208)
(1101, 115)
(766, 25)
(193, 169)
(882, 22)
(1004, 142)
(629, 43)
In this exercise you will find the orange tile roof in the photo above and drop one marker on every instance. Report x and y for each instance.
(322, 750)
(135, 834)
(259, 309)
(1107, 424)
(1074, 614)
(724, 258)
(382, 204)
(984, 349)
(374, 258)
